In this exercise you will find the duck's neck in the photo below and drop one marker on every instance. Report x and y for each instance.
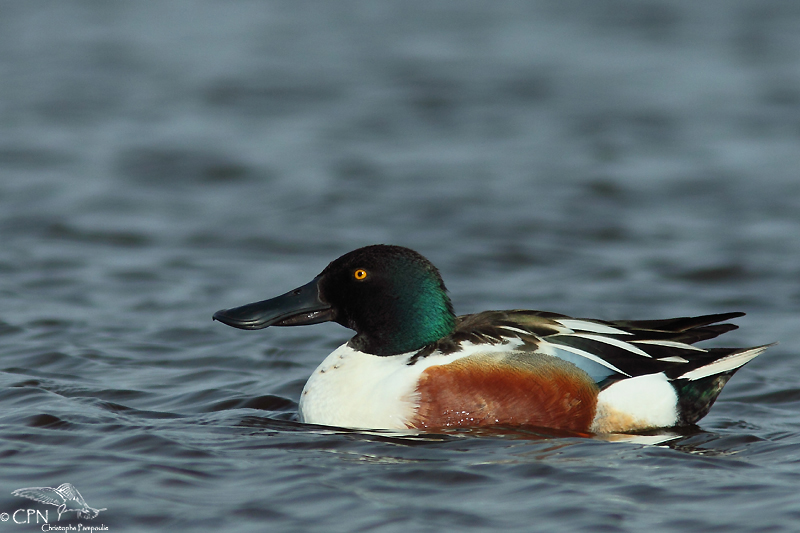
(408, 323)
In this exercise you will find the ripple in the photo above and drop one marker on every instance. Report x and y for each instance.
(33, 157)
(164, 167)
(263, 403)
(49, 421)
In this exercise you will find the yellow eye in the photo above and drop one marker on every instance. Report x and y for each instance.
(360, 274)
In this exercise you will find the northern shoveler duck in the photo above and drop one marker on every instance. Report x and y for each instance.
(414, 364)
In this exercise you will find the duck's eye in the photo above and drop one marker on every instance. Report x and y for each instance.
(360, 274)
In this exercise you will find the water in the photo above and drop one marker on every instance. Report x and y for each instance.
(159, 162)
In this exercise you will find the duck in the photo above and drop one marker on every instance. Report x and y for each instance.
(414, 365)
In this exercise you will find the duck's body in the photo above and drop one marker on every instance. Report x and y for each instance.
(530, 368)
(413, 364)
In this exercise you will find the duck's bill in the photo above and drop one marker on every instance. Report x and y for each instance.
(299, 307)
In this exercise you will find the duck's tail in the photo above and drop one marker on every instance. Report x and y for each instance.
(699, 388)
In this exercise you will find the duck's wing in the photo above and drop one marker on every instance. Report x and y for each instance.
(609, 350)
(685, 330)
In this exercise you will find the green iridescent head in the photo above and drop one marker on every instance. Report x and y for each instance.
(392, 297)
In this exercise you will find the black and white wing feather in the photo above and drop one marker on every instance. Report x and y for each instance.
(608, 350)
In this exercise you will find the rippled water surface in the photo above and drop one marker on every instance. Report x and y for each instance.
(161, 161)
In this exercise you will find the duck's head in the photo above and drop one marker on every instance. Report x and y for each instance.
(391, 296)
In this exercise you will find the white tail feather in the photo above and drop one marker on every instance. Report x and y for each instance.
(731, 362)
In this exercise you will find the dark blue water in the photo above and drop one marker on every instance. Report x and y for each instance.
(161, 161)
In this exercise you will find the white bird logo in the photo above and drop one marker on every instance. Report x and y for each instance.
(66, 497)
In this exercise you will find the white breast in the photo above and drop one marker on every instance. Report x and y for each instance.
(355, 389)
(358, 390)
